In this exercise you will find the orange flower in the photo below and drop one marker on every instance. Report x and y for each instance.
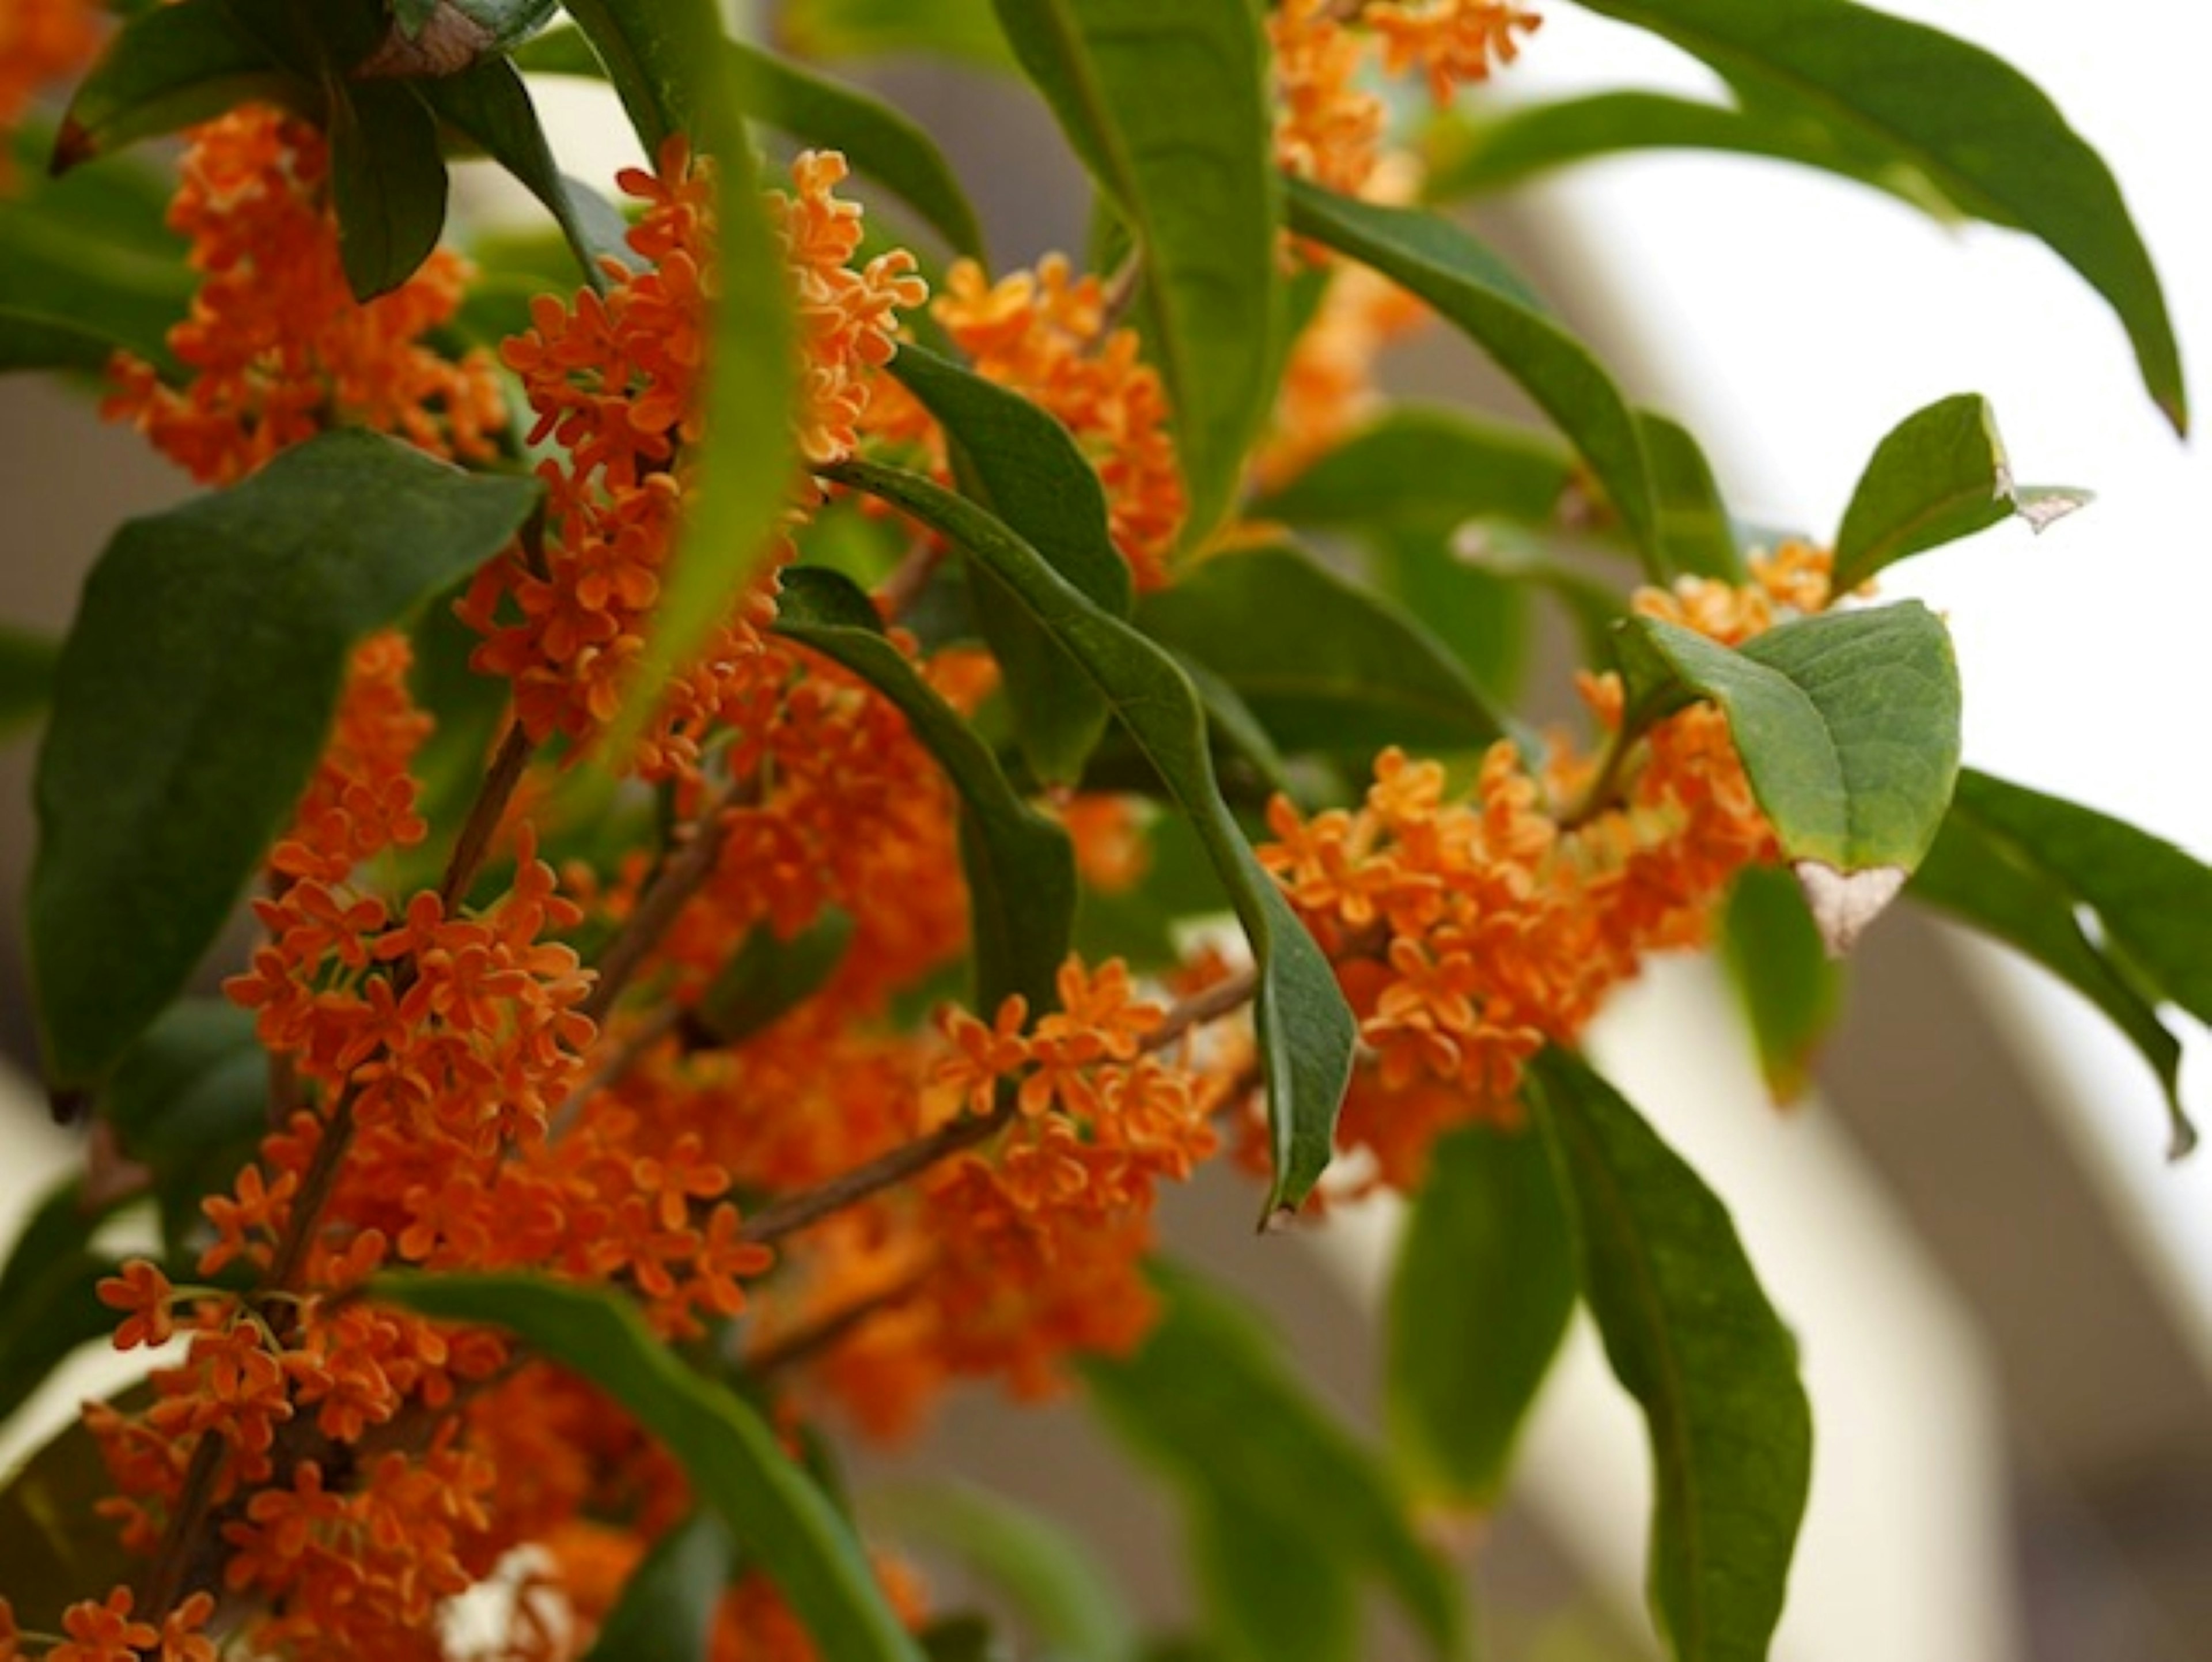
(1455, 41)
(101, 1630)
(1330, 129)
(42, 41)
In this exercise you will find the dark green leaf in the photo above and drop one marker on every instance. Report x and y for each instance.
(1791, 992)
(26, 677)
(1209, 1400)
(1271, 1591)
(1426, 471)
(1324, 664)
(189, 1101)
(1980, 131)
(1231, 723)
(1476, 614)
(48, 1305)
(167, 68)
(1848, 725)
(1019, 864)
(54, 1548)
(168, 767)
(669, 64)
(1024, 467)
(1938, 475)
(770, 977)
(489, 104)
(666, 1612)
(965, 1638)
(965, 31)
(1479, 1301)
(1468, 158)
(1052, 1584)
(29, 340)
(2022, 864)
(780, 1519)
(1443, 264)
(1305, 1029)
(1693, 522)
(388, 182)
(1692, 1336)
(1168, 105)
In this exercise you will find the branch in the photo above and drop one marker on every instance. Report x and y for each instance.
(678, 880)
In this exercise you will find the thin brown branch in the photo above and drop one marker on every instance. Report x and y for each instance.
(1207, 1004)
(508, 763)
(664, 898)
(805, 1344)
(910, 576)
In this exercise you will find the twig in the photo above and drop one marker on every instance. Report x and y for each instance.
(1121, 291)
(505, 773)
(910, 576)
(664, 898)
(806, 1342)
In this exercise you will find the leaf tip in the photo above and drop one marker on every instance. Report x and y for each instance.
(1843, 903)
(1279, 1221)
(67, 1103)
(2181, 1141)
(73, 145)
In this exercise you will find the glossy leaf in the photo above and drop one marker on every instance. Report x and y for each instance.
(1048, 1579)
(779, 1518)
(1168, 105)
(2026, 866)
(1209, 1400)
(167, 68)
(1978, 130)
(1426, 470)
(667, 1607)
(1468, 284)
(1691, 1335)
(31, 341)
(26, 677)
(669, 65)
(53, 1546)
(1019, 864)
(48, 1305)
(1848, 725)
(1938, 475)
(489, 104)
(1305, 1029)
(1496, 153)
(1790, 991)
(388, 183)
(1024, 467)
(1694, 527)
(1479, 1302)
(167, 768)
(965, 31)
(1334, 667)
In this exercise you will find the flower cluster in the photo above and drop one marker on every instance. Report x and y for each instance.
(1452, 41)
(275, 349)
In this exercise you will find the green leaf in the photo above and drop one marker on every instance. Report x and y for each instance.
(1790, 991)
(1475, 157)
(780, 1519)
(1209, 1400)
(669, 64)
(26, 677)
(1477, 616)
(1024, 467)
(1305, 1029)
(965, 1638)
(1167, 104)
(1938, 475)
(388, 182)
(1693, 521)
(167, 68)
(1425, 471)
(1272, 1592)
(48, 1307)
(1049, 1580)
(1019, 864)
(489, 104)
(190, 1100)
(1691, 1335)
(54, 1548)
(168, 767)
(666, 1611)
(31, 341)
(1848, 725)
(770, 976)
(1324, 664)
(2025, 865)
(1445, 265)
(1978, 130)
(965, 31)
(1480, 1300)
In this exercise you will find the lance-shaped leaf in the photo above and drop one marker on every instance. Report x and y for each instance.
(666, 1610)
(964, 31)
(1473, 157)
(1848, 725)
(737, 1467)
(47, 1305)
(26, 677)
(388, 182)
(1938, 475)
(1480, 1300)
(31, 341)
(1978, 131)
(1691, 1335)
(193, 695)
(1024, 467)
(1304, 1028)
(2027, 867)
(1209, 1399)
(1694, 526)
(1426, 470)
(190, 1102)
(167, 68)
(1324, 664)
(53, 1544)
(1167, 104)
(1020, 866)
(1790, 990)
(1444, 264)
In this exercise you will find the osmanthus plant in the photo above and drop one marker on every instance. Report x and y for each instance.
(729, 712)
